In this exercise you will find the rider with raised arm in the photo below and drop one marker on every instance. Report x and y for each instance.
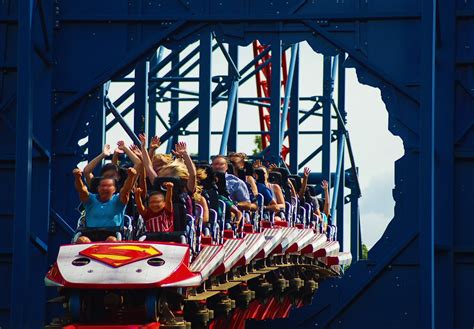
(106, 209)
(158, 216)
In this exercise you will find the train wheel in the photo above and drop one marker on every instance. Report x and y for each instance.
(151, 307)
(74, 305)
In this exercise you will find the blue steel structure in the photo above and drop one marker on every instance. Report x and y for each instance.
(58, 58)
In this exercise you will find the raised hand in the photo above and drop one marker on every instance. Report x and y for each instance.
(180, 149)
(168, 185)
(155, 142)
(306, 172)
(272, 167)
(324, 184)
(119, 151)
(136, 150)
(121, 145)
(131, 172)
(138, 190)
(142, 138)
(106, 151)
(77, 172)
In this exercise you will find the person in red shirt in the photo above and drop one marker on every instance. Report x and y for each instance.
(158, 216)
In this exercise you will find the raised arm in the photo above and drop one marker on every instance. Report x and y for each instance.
(81, 188)
(180, 151)
(169, 196)
(325, 187)
(142, 180)
(154, 145)
(138, 200)
(304, 183)
(94, 162)
(140, 169)
(116, 156)
(150, 172)
(127, 186)
(131, 155)
(279, 198)
(251, 181)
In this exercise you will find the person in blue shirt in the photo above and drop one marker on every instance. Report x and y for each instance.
(106, 209)
(237, 188)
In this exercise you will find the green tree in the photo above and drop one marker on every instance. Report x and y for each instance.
(258, 145)
(365, 252)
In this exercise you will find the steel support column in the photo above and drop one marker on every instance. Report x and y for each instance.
(338, 180)
(428, 188)
(275, 96)
(20, 277)
(328, 84)
(152, 99)
(445, 265)
(289, 85)
(355, 225)
(233, 135)
(228, 118)
(140, 117)
(205, 97)
(96, 127)
(341, 106)
(174, 106)
(293, 126)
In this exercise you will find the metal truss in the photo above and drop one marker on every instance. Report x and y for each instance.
(58, 58)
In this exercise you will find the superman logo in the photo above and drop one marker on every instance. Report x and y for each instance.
(117, 255)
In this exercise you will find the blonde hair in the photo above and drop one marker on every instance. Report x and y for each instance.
(175, 168)
(200, 176)
(161, 159)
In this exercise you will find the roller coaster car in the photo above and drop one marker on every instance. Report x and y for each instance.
(114, 285)
(118, 282)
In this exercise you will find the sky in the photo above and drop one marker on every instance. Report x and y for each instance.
(375, 148)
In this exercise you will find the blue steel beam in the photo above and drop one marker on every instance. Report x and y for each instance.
(275, 107)
(289, 84)
(294, 127)
(218, 91)
(229, 116)
(341, 130)
(321, 13)
(446, 268)
(355, 226)
(205, 97)
(337, 186)
(233, 133)
(428, 188)
(361, 29)
(134, 55)
(328, 84)
(121, 120)
(377, 71)
(154, 60)
(175, 68)
(174, 107)
(96, 127)
(140, 110)
(23, 172)
(233, 67)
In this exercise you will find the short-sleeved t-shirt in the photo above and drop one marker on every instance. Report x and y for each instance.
(162, 221)
(266, 192)
(104, 214)
(237, 188)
